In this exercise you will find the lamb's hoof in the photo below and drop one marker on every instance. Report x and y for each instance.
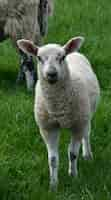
(53, 186)
(30, 90)
(88, 156)
(73, 173)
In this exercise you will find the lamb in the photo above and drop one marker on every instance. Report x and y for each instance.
(25, 19)
(67, 94)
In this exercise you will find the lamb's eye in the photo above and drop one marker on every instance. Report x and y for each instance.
(61, 59)
(40, 59)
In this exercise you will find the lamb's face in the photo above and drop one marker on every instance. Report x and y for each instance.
(52, 65)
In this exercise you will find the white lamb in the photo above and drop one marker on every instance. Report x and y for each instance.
(67, 94)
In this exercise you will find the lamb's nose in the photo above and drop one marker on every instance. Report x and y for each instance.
(52, 76)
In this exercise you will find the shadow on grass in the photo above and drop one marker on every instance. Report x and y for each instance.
(8, 75)
(8, 81)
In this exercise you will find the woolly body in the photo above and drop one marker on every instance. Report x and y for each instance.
(69, 103)
(20, 19)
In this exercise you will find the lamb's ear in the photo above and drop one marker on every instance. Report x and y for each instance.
(27, 47)
(73, 45)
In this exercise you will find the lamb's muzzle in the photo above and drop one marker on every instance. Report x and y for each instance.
(52, 77)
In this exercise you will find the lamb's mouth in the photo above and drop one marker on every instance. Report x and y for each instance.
(52, 80)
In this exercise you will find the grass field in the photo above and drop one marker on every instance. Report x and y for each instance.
(23, 156)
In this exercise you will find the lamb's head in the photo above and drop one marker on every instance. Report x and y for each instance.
(52, 58)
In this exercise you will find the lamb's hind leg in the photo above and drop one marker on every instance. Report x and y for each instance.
(86, 146)
(51, 138)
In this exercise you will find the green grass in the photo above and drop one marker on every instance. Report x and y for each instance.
(23, 156)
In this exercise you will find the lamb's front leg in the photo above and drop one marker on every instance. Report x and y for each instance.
(81, 136)
(73, 153)
(51, 138)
